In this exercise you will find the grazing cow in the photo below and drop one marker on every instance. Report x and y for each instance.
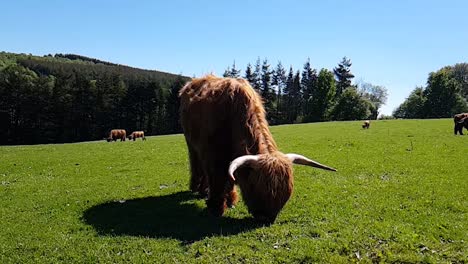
(115, 134)
(366, 124)
(137, 134)
(460, 120)
(229, 143)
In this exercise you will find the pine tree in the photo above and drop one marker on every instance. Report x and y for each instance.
(343, 75)
(227, 72)
(232, 72)
(235, 73)
(173, 104)
(256, 76)
(279, 82)
(308, 85)
(265, 89)
(292, 96)
(249, 75)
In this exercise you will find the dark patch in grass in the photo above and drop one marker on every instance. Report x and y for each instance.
(170, 216)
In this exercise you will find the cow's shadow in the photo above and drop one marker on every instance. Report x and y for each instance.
(170, 216)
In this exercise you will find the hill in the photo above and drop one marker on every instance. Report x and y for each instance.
(69, 98)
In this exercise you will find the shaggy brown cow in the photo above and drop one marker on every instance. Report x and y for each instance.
(460, 120)
(115, 134)
(366, 124)
(229, 143)
(137, 134)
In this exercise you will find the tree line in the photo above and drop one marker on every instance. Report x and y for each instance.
(310, 95)
(69, 98)
(445, 94)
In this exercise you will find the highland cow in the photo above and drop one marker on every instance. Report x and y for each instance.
(115, 134)
(137, 134)
(460, 120)
(229, 143)
(366, 124)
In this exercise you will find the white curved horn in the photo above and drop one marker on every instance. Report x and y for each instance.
(299, 159)
(241, 161)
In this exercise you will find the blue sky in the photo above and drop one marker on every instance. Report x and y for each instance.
(391, 43)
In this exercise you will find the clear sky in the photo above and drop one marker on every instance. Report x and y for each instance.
(390, 43)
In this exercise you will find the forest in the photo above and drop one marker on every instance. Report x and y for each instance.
(70, 98)
(311, 95)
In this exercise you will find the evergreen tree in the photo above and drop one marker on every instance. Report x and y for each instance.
(279, 82)
(256, 76)
(308, 84)
(343, 75)
(235, 73)
(232, 72)
(322, 96)
(249, 75)
(227, 72)
(292, 96)
(265, 89)
(173, 105)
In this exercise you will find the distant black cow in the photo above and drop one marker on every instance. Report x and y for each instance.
(460, 120)
(366, 124)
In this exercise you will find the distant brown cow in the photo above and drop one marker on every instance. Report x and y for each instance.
(137, 134)
(460, 120)
(366, 124)
(115, 134)
(229, 143)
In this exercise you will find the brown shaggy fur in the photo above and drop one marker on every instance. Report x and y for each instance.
(115, 134)
(366, 124)
(460, 120)
(222, 119)
(137, 134)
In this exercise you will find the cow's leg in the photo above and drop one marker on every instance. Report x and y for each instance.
(198, 180)
(455, 129)
(218, 179)
(459, 128)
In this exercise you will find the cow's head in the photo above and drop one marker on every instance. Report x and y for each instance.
(266, 181)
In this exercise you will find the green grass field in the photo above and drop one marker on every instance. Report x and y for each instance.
(400, 195)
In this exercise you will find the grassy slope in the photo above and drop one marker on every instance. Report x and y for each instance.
(400, 195)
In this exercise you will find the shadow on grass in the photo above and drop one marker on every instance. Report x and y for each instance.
(170, 216)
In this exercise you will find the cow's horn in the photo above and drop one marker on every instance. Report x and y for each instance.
(299, 159)
(241, 161)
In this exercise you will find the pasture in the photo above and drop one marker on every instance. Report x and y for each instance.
(400, 195)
